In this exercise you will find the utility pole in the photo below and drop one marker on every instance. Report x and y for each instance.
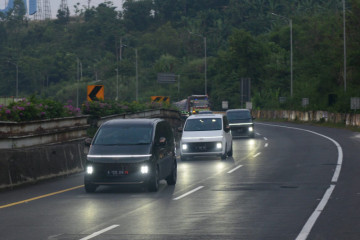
(137, 78)
(344, 22)
(291, 51)
(205, 59)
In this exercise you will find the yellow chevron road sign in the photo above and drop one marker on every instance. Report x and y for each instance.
(160, 99)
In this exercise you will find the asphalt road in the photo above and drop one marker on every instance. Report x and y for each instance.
(289, 182)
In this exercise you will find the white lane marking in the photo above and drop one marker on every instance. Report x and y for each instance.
(258, 134)
(257, 154)
(188, 193)
(314, 216)
(265, 139)
(234, 169)
(266, 144)
(99, 232)
(311, 221)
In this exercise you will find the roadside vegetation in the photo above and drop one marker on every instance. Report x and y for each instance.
(243, 39)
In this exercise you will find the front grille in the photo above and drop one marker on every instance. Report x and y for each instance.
(202, 147)
(240, 131)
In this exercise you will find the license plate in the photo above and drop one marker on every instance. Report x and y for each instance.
(115, 173)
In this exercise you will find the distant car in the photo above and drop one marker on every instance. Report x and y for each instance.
(241, 123)
(206, 135)
(131, 151)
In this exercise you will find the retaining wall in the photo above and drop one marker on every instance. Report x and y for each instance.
(37, 150)
(348, 119)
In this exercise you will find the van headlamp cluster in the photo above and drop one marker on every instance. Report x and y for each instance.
(251, 129)
(219, 145)
(89, 170)
(144, 169)
(184, 147)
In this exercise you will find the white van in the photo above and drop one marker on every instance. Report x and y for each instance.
(206, 135)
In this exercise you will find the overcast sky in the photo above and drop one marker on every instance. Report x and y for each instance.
(55, 4)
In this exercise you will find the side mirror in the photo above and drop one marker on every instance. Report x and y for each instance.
(227, 128)
(253, 118)
(162, 141)
(88, 142)
(180, 129)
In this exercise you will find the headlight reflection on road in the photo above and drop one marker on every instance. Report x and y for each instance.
(90, 212)
(183, 171)
(251, 142)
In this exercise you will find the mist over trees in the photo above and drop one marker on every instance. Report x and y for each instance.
(243, 39)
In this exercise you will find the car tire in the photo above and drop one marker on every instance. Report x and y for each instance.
(90, 188)
(153, 184)
(171, 179)
(230, 153)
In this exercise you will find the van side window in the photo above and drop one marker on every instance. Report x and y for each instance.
(160, 131)
(169, 134)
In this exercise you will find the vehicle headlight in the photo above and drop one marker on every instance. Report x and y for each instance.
(219, 145)
(144, 169)
(90, 170)
(251, 129)
(184, 147)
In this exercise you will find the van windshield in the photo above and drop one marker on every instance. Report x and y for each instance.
(124, 135)
(203, 124)
(238, 115)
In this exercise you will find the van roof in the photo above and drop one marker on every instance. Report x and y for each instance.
(132, 121)
(205, 116)
(238, 110)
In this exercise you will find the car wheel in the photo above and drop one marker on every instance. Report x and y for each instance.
(90, 188)
(230, 153)
(223, 156)
(154, 181)
(171, 179)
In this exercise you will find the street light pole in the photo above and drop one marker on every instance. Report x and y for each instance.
(291, 59)
(79, 77)
(117, 84)
(343, 1)
(136, 72)
(137, 78)
(205, 66)
(291, 51)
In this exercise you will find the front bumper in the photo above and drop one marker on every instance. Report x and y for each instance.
(202, 149)
(242, 130)
(116, 174)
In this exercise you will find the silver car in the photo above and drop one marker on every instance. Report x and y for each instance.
(206, 135)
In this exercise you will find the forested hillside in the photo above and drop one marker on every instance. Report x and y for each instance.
(243, 38)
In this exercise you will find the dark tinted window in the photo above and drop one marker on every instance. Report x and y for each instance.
(238, 115)
(161, 131)
(203, 124)
(123, 135)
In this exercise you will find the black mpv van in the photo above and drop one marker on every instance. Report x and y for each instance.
(131, 151)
